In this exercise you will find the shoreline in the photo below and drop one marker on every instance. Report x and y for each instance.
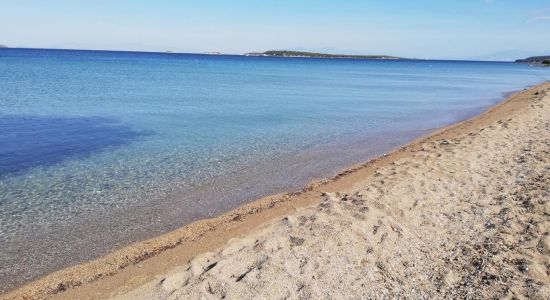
(139, 262)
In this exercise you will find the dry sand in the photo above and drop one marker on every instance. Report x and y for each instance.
(464, 213)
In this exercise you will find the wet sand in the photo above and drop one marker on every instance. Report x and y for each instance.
(463, 212)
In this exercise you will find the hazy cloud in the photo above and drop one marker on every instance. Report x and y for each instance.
(541, 15)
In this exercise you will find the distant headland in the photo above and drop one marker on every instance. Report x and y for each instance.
(2, 46)
(288, 53)
(536, 60)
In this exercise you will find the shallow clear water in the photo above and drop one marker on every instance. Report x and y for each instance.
(99, 149)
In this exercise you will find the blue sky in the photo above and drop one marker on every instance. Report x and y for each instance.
(411, 28)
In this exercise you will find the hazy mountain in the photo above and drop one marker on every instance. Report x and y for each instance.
(510, 55)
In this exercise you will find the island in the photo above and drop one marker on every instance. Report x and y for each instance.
(288, 53)
(536, 60)
(2, 46)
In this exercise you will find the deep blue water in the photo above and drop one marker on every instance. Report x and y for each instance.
(33, 141)
(98, 149)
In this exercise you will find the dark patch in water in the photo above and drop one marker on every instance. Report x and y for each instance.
(30, 141)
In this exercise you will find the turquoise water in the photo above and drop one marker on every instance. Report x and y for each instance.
(99, 149)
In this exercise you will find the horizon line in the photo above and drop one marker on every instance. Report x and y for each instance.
(217, 53)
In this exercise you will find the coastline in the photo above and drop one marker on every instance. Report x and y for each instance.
(140, 262)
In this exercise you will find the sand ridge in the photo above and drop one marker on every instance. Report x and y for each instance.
(376, 204)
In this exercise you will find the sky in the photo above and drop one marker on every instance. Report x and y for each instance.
(457, 29)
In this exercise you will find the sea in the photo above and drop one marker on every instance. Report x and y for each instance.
(99, 149)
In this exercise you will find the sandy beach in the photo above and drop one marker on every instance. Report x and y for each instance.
(462, 213)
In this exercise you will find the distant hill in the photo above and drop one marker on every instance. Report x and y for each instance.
(287, 53)
(538, 60)
(507, 55)
(2, 46)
